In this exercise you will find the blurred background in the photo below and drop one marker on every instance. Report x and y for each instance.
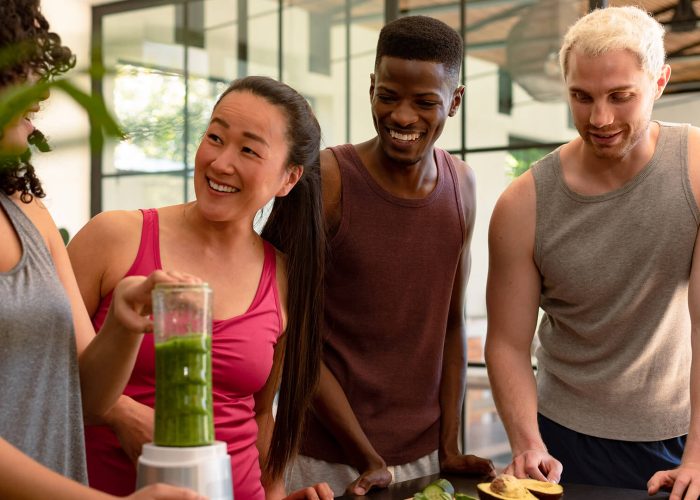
(167, 61)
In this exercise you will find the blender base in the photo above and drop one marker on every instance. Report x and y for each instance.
(204, 469)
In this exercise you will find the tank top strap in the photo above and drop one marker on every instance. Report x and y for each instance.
(28, 234)
(445, 166)
(148, 255)
(267, 294)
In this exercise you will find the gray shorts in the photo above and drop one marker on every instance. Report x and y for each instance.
(305, 471)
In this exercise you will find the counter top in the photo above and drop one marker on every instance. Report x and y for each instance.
(401, 491)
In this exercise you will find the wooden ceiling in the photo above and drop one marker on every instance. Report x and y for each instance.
(489, 25)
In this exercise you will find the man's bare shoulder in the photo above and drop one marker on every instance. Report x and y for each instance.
(519, 198)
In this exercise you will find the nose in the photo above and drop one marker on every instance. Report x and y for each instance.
(404, 114)
(601, 114)
(225, 161)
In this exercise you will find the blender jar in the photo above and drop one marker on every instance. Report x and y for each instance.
(182, 325)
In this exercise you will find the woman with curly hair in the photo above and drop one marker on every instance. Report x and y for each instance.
(49, 354)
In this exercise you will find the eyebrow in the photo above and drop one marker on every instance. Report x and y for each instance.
(419, 94)
(622, 88)
(246, 133)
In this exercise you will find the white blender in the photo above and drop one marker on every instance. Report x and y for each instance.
(184, 452)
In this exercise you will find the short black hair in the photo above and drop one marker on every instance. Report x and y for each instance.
(422, 38)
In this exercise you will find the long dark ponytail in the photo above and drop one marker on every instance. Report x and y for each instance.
(295, 226)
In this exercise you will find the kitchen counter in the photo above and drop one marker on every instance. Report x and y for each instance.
(401, 491)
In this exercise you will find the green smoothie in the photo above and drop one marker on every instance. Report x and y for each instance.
(184, 414)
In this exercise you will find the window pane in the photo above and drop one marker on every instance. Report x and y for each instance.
(130, 192)
(518, 41)
(145, 87)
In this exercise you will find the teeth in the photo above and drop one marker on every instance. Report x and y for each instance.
(404, 137)
(222, 188)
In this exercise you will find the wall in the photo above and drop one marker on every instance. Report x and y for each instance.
(65, 172)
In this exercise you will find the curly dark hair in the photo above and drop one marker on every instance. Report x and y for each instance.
(27, 47)
(422, 38)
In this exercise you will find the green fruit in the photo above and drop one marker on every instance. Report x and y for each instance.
(464, 496)
(433, 492)
(445, 485)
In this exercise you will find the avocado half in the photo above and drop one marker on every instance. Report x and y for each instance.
(507, 487)
(543, 490)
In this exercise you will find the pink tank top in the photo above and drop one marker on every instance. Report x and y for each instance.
(242, 351)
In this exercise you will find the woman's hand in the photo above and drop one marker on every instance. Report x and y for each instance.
(320, 491)
(164, 492)
(131, 302)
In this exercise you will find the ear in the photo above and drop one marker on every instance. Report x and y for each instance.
(662, 80)
(371, 86)
(456, 100)
(294, 173)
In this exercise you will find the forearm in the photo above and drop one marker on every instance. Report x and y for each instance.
(515, 394)
(23, 478)
(106, 365)
(334, 410)
(691, 454)
(452, 384)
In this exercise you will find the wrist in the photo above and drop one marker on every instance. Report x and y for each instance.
(371, 462)
(116, 412)
(541, 448)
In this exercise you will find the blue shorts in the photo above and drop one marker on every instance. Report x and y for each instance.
(608, 462)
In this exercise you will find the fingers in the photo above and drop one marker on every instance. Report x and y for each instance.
(366, 481)
(132, 297)
(165, 492)
(360, 487)
(658, 481)
(553, 468)
(324, 491)
(320, 491)
(680, 485)
(531, 464)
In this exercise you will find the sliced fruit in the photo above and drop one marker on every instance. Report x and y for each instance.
(463, 496)
(433, 492)
(543, 489)
(504, 487)
(445, 485)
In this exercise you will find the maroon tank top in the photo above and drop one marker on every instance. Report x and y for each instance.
(390, 272)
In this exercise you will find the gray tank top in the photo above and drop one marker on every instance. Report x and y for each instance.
(40, 407)
(614, 359)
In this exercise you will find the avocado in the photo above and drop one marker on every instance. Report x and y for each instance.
(543, 490)
(504, 487)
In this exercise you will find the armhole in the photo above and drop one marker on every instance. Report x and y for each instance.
(270, 269)
(537, 243)
(684, 158)
(341, 155)
(457, 186)
(149, 227)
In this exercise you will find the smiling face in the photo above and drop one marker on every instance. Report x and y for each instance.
(411, 101)
(241, 163)
(611, 99)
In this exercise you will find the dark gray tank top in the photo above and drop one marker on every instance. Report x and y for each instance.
(614, 360)
(40, 407)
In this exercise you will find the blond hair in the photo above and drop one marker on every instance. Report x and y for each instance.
(617, 28)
